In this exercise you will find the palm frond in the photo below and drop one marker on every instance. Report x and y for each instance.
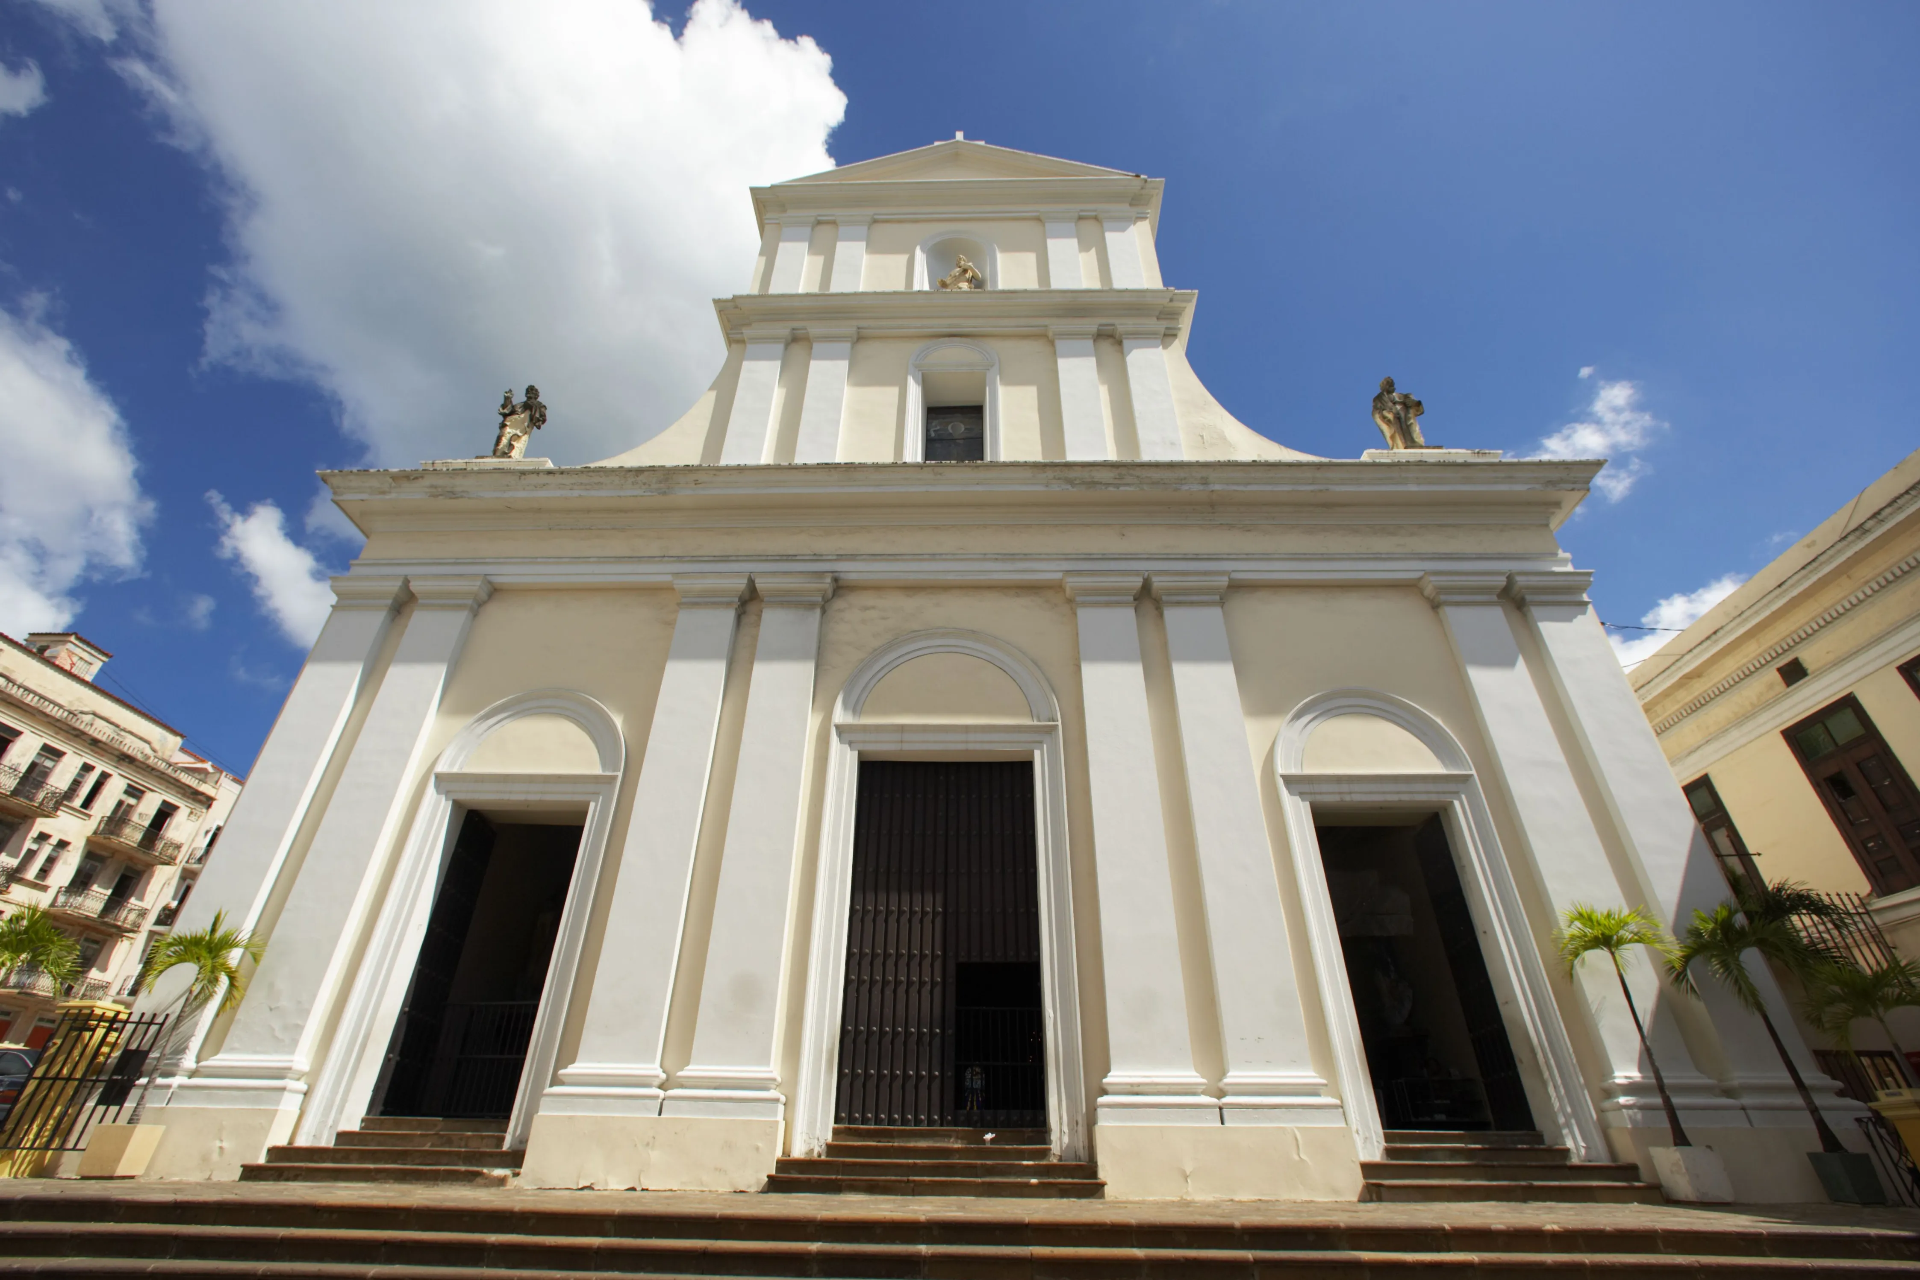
(217, 955)
(1586, 929)
(30, 937)
(1839, 995)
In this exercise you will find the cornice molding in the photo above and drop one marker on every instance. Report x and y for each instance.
(1443, 589)
(1772, 654)
(1103, 590)
(1175, 590)
(1558, 586)
(710, 590)
(1036, 197)
(794, 589)
(940, 313)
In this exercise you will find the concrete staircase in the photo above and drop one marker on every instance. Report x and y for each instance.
(1425, 1165)
(371, 1232)
(881, 1161)
(398, 1149)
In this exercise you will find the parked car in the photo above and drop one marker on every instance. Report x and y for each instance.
(16, 1064)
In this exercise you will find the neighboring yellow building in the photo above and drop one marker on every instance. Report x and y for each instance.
(1791, 710)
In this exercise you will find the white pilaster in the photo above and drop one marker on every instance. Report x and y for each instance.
(1150, 1077)
(825, 401)
(1063, 253)
(1123, 252)
(1676, 871)
(1270, 1077)
(732, 1072)
(1556, 829)
(618, 1070)
(790, 260)
(1154, 419)
(1081, 420)
(266, 817)
(313, 946)
(849, 254)
(750, 425)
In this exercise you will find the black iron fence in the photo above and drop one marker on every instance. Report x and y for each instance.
(483, 1046)
(1896, 1168)
(1000, 1067)
(89, 1074)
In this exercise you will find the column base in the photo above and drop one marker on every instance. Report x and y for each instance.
(1767, 1164)
(1225, 1162)
(1161, 1109)
(650, 1153)
(211, 1143)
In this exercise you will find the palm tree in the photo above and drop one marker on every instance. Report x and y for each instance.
(216, 954)
(29, 937)
(1758, 920)
(1839, 995)
(1585, 930)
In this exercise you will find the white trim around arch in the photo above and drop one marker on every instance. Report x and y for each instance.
(1519, 976)
(913, 432)
(344, 1084)
(826, 971)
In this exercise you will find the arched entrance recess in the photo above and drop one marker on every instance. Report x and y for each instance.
(345, 1082)
(1443, 784)
(1037, 739)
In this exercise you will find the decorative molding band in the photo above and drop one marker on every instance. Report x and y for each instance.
(1559, 586)
(1173, 589)
(367, 591)
(1777, 650)
(794, 589)
(710, 590)
(1463, 588)
(462, 591)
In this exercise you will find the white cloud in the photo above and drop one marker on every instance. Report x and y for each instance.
(1673, 613)
(196, 611)
(93, 17)
(1617, 426)
(1586, 371)
(21, 91)
(431, 201)
(70, 501)
(288, 581)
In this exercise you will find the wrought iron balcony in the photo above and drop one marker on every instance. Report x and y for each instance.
(97, 906)
(21, 791)
(130, 836)
(31, 980)
(164, 917)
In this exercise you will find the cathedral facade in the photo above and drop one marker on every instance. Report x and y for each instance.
(959, 719)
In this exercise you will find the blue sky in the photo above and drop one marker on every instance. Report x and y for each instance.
(239, 243)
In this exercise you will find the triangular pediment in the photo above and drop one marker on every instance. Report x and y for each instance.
(958, 160)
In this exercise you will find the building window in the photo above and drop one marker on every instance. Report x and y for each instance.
(52, 860)
(1729, 850)
(1791, 672)
(78, 781)
(957, 433)
(93, 792)
(29, 856)
(1910, 669)
(1866, 790)
(43, 764)
(8, 736)
(129, 801)
(88, 871)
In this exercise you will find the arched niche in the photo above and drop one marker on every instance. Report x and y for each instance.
(951, 371)
(936, 255)
(539, 743)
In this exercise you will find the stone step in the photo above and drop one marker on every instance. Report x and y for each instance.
(432, 1174)
(408, 1156)
(1486, 1171)
(838, 1150)
(1467, 1137)
(431, 1124)
(832, 1168)
(346, 1221)
(919, 1185)
(939, 1137)
(1480, 1155)
(1453, 1190)
(115, 1249)
(439, 1140)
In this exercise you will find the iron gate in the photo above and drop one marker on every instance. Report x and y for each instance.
(88, 1074)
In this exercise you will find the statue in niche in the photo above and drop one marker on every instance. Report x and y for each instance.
(518, 422)
(963, 276)
(1397, 414)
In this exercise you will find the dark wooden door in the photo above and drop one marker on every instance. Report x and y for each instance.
(941, 1020)
(1479, 1002)
(402, 1087)
(1866, 790)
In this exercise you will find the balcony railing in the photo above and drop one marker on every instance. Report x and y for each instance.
(26, 790)
(164, 917)
(31, 980)
(98, 905)
(1851, 932)
(129, 835)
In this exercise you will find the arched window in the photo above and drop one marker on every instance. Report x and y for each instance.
(953, 403)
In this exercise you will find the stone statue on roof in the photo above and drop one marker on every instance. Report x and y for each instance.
(518, 422)
(1397, 414)
(963, 276)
